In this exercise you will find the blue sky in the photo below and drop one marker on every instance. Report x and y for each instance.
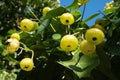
(93, 6)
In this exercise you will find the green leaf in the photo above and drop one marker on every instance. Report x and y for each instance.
(0, 43)
(74, 5)
(87, 63)
(76, 14)
(44, 23)
(11, 31)
(57, 27)
(55, 12)
(84, 66)
(11, 59)
(91, 17)
(56, 36)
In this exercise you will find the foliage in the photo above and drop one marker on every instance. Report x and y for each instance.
(13, 11)
(43, 44)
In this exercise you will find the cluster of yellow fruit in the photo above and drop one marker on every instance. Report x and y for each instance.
(13, 45)
(28, 25)
(93, 37)
(68, 42)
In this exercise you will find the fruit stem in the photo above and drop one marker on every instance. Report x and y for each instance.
(68, 29)
(76, 33)
(52, 27)
(20, 51)
(27, 49)
(78, 59)
(20, 32)
(82, 37)
(33, 13)
(32, 54)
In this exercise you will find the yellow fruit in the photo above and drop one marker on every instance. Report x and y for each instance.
(27, 25)
(67, 19)
(87, 48)
(15, 36)
(45, 10)
(26, 64)
(99, 27)
(11, 49)
(13, 45)
(35, 25)
(94, 35)
(69, 43)
(100, 21)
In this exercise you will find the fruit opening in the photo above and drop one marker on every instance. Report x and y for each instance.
(68, 46)
(25, 27)
(26, 67)
(100, 23)
(94, 38)
(67, 21)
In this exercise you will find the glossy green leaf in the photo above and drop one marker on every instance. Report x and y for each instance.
(55, 12)
(91, 17)
(84, 66)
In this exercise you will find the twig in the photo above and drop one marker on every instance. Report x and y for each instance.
(84, 7)
(52, 27)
